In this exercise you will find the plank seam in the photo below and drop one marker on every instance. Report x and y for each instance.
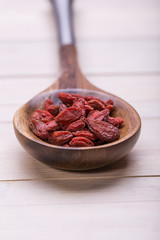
(80, 178)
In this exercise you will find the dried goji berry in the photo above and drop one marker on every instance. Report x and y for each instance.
(121, 121)
(47, 104)
(109, 102)
(85, 133)
(80, 103)
(52, 126)
(99, 115)
(50, 107)
(76, 95)
(80, 142)
(35, 116)
(66, 98)
(62, 106)
(64, 125)
(88, 108)
(96, 104)
(105, 131)
(81, 118)
(70, 114)
(88, 98)
(76, 126)
(115, 121)
(110, 107)
(60, 137)
(39, 129)
(42, 115)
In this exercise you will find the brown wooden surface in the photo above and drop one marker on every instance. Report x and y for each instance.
(121, 56)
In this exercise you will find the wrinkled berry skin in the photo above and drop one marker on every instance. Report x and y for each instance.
(81, 142)
(60, 137)
(41, 115)
(66, 98)
(96, 104)
(117, 122)
(39, 129)
(99, 115)
(86, 134)
(51, 108)
(76, 126)
(70, 114)
(77, 121)
(104, 131)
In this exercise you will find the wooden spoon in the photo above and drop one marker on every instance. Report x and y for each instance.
(73, 81)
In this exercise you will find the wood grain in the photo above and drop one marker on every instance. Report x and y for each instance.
(106, 57)
(134, 88)
(94, 221)
(118, 48)
(123, 20)
(92, 206)
(80, 191)
(142, 92)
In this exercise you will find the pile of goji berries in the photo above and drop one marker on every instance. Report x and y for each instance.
(78, 121)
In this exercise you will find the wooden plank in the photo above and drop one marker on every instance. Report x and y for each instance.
(92, 221)
(117, 202)
(94, 209)
(93, 20)
(132, 88)
(142, 92)
(142, 107)
(94, 191)
(29, 59)
(143, 160)
(146, 109)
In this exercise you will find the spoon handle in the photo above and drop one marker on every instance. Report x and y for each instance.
(71, 76)
(63, 12)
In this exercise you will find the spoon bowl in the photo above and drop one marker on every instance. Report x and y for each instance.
(72, 80)
(83, 158)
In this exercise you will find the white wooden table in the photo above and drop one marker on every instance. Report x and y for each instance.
(119, 50)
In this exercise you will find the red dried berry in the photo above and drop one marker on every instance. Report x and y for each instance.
(88, 98)
(66, 98)
(60, 137)
(96, 104)
(82, 119)
(85, 133)
(52, 126)
(115, 121)
(105, 131)
(64, 125)
(62, 106)
(76, 95)
(76, 126)
(81, 142)
(39, 129)
(80, 103)
(41, 115)
(88, 108)
(121, 121)
(109, 102)
(99, 115)
(70, 114)
(110, 107)
(47, 104)
(51, 108)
